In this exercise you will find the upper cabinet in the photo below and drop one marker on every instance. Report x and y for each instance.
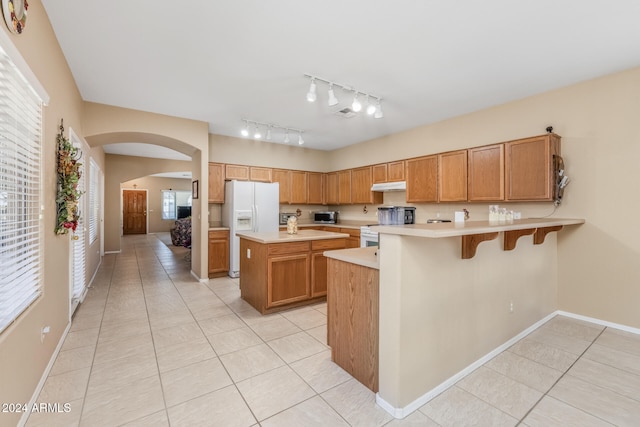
(361, 181)
(422, 179)
(260, 174)
(486, 173)
(452, 176)
(388, 172)
(216, 183)
(238, 172)
(298, 188)
(344, 187)
(283, 177)
(315, 188)
(529, 168)
(331, 189)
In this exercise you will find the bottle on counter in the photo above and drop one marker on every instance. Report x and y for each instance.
(292, 225)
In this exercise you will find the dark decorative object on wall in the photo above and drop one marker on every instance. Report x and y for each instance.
(15, 14)
(194, 189)
(68, 177)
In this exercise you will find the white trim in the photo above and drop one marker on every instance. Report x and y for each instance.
(416, 404)
(600, 322)
(198, 277)
(23, 67)
(113, 252)
(45, 375)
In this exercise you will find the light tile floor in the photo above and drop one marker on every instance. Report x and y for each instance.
(150, 346)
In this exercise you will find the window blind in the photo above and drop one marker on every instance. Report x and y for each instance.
(169, 204)
(78, 261)
(94, 200)
(20, 193)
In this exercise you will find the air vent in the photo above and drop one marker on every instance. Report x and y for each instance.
(346, 112)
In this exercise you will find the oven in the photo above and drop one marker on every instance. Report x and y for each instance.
(368, 237)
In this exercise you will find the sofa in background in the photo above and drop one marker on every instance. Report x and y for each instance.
(181, 232)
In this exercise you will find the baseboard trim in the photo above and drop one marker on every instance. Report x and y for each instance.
(113, 252)
(413, 406)
(198, 277)
(45, 375)
(600, 322)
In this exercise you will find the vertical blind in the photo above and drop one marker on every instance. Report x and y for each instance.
(20, 193)
(79, 271)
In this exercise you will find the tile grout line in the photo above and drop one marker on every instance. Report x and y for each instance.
(561, 377)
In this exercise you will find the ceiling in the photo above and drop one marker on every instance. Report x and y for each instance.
(223, 61)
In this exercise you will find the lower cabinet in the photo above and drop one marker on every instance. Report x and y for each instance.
(218, 253)
(352, 320)
(354, 237)
(276, 276)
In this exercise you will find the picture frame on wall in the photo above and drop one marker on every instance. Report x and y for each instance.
(194, 189)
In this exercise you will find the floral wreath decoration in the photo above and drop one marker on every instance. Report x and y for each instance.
(68, 178)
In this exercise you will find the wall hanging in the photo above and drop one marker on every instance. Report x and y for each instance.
(68, 176)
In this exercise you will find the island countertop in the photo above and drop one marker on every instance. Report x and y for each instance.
(453, 229)
(283, 236)
(366, 257)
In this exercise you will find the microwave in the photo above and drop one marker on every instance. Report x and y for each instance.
(284, 217)
(328, 217)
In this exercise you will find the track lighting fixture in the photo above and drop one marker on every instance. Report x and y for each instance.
(356, 105)
(374, 110)
(311, 95)
(270, 128)
(332, 97)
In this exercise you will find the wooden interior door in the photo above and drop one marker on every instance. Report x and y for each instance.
(134, 215)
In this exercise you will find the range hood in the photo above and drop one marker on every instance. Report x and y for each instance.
(390, 186)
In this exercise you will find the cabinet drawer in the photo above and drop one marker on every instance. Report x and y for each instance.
(219, 234)
(317, 245)
(353, 232)
(288, 248)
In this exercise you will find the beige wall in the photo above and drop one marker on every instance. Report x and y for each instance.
(154, 186)
(23, 357)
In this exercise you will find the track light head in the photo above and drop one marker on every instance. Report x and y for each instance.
(356, 105)
(332, 97)
(245, 130)
(371, 109)
(269, 134)
(286, 136)
(311, 95)
(257, 134)
(378, 112)
(300, 140)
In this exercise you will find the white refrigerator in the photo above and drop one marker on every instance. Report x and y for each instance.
(248, 206)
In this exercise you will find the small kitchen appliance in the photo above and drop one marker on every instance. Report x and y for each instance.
(326, 217)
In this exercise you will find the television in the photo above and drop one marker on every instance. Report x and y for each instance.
(184, 211)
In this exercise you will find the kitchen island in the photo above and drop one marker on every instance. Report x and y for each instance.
(280, 270)
(451, 296)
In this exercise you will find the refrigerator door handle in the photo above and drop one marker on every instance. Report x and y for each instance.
(255, 218)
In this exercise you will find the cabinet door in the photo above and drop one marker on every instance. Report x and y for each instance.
(288, 279)
(315, 188)
(395, 171)
(260, 174)
(216, 183)
(379, 173)
(529, 167)
(344, 187)
(354, 237)
(452, 176)
(361, 181)
(331, 190)
(218, 252)
(319, 264)
(282, 177)
(298, 187)
(238, 172)
(422, 179)
(486, 173)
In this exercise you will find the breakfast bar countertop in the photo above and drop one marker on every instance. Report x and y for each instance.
(284, 237)
(366, 257)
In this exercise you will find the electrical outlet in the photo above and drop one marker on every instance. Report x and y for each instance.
(511, 307)
(44, 331)
(248, 253)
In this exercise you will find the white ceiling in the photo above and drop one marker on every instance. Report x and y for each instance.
(222, 61)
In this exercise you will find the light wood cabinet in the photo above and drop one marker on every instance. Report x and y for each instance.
(486, 173)
(331, 189)
(276, 276)
(388, 172)
(238, 172)
(352, 319)
(298, 187)
(344, 187)
(361, 181)
(216, 183)
(354, 237)
(529, 168)
(315, 188)
(260, 174)
(218, 253)
(283, 177)
(452, 176)
(422, 179)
